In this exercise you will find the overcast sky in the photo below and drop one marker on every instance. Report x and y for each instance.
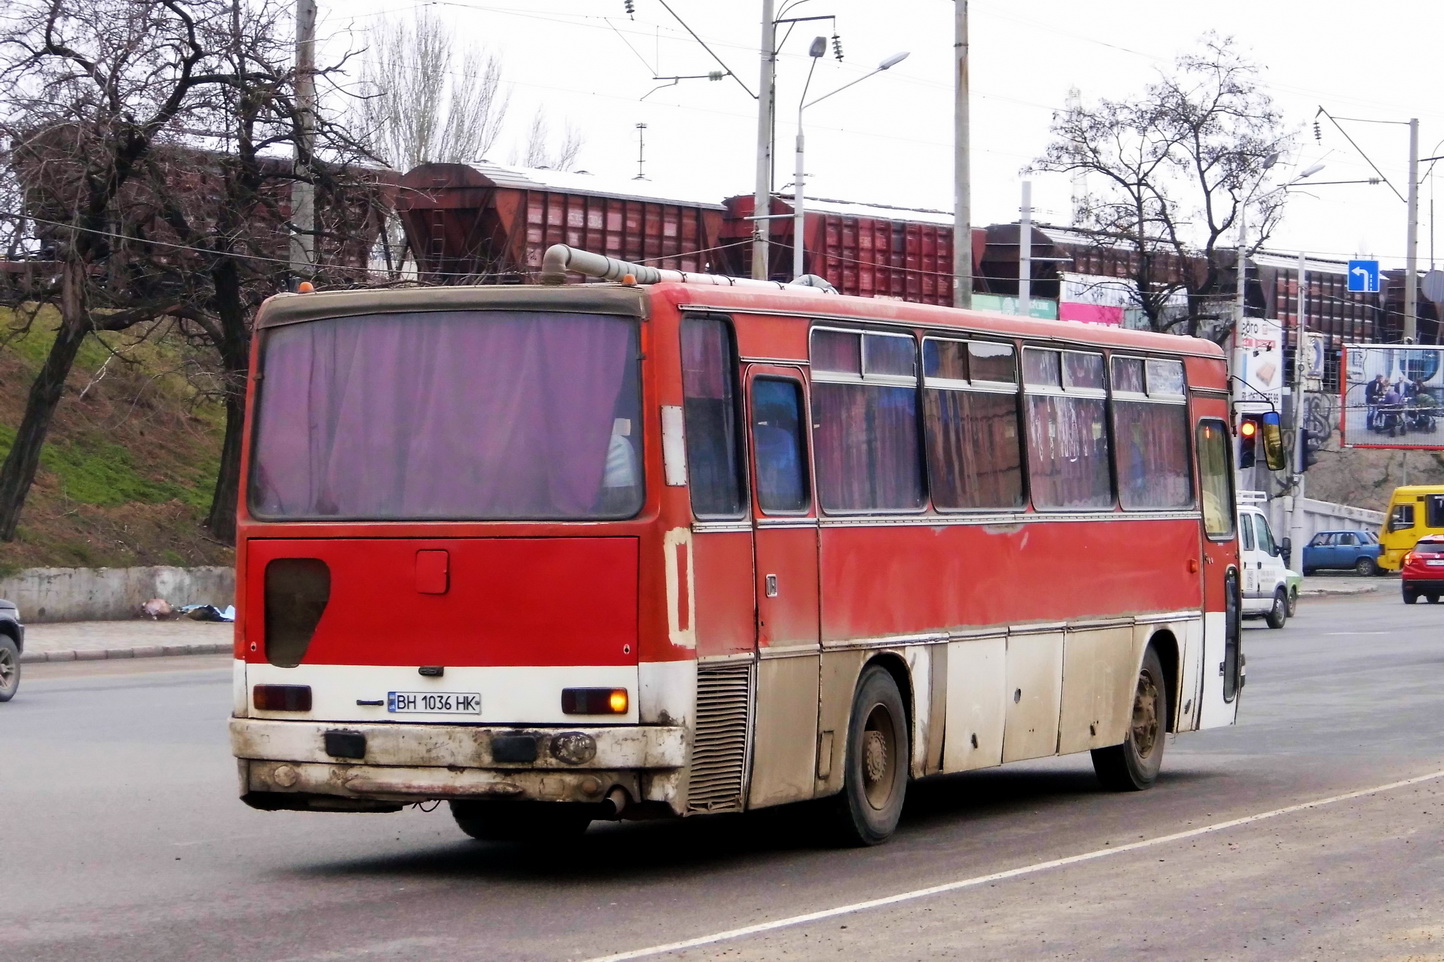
(889, 139)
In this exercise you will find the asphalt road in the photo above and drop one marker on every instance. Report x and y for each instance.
(1312, 830)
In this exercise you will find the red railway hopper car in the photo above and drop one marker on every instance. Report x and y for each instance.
(488, 224)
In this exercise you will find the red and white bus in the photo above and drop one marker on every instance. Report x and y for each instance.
(622, 550)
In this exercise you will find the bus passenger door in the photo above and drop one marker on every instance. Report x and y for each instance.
(785, 547)
(1220, 663)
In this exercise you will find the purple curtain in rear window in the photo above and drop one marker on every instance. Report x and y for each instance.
(449, 415)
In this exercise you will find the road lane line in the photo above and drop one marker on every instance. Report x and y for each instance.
(746, 930)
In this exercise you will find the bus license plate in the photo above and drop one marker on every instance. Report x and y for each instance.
(465, 702)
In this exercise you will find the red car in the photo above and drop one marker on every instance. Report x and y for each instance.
(1423, 570)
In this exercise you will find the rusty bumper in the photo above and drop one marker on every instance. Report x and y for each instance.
(384, 766)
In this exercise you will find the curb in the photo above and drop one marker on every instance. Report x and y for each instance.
(104, 654)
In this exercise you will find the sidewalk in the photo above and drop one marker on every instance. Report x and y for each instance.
(141, 638)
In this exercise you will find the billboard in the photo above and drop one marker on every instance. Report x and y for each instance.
(1391, 396)
(1258, 360)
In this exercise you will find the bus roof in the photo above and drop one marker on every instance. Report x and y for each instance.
(751, 298)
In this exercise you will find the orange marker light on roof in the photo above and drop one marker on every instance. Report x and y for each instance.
(305, 287)
(629, 280)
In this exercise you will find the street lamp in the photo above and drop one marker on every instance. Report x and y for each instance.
(819, 47)
(1269, 161)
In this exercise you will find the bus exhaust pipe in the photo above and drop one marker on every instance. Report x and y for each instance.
(616, 800)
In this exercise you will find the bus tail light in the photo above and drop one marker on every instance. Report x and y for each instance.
(281, 697)
(595, 701)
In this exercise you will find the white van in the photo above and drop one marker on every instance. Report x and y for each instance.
(1270, 589)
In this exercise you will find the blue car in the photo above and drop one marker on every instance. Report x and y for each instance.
(1342, 550)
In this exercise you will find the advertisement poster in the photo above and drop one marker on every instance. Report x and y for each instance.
(1391, 396)
(1258, 360)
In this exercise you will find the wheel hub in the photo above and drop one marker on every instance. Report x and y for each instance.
(1145, 716)
(874, 757)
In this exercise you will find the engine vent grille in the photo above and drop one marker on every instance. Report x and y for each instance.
(719, 751)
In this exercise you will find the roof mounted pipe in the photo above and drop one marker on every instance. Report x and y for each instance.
(560, 258)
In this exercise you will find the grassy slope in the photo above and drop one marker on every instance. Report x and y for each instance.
(128, 466)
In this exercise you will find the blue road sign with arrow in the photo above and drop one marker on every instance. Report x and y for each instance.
(1363, 277)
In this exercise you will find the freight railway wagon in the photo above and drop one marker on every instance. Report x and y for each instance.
(662, 547)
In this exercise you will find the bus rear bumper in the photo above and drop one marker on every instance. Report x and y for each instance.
(295, 765)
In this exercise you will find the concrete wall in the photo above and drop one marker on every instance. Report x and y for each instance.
(106, 594)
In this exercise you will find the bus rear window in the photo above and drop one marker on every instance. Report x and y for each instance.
(466, 415)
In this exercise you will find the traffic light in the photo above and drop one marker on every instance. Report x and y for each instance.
(1308, 448)
(1248, 431)
(1257, 431)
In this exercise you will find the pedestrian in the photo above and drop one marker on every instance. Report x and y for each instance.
(1373, 393)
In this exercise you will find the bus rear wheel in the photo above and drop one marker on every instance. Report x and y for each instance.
(1133, 765)
(875, 770)
(533, 822)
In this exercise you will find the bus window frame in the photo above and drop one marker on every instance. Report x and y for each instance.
(1230, 514)
(1065, 390)
(973, 385)
(1150, 396)
(733, 370)
(863, 379)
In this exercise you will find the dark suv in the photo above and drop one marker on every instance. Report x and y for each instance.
(12, 643)
(1423, 570)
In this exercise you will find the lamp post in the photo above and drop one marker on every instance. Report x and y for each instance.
(1269, 161)
(799, 215)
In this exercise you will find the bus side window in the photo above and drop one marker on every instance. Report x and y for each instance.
(778, 445)
(710, 420)
(1215, 478)
(1403, 517)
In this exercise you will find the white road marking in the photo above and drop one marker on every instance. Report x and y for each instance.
(730, 934)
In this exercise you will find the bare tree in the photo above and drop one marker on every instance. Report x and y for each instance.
(422, 103)
(151, 141)
(540, 152)
(1179, 165)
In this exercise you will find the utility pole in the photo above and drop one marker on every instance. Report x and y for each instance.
(303, 188)
(962, 176)
(762, 193)
(1025, 252)
(1411, 243)
(1296, 512)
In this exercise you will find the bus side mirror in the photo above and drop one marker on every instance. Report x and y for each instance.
(1273, 441)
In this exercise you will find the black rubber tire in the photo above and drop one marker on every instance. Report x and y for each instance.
(9, 668)
(1279, 613)
(1366, 567)
(1410, 596)
(1434, 598)
(1308, 571)
(530, 822)
(1293, 602)
(875, 766)
(1133, 765)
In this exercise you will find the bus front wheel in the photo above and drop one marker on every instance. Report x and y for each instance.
(1133, 765)
(875, 772)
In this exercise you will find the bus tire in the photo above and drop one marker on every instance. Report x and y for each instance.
(875, 768)
(1133, 765)
(9, 668)
(1279, 612)
(534, 822)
